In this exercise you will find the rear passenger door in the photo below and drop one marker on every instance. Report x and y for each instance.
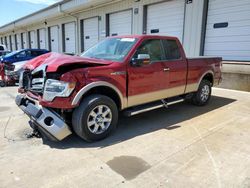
(175, 68)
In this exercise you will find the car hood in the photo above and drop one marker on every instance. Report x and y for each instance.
(55, 60)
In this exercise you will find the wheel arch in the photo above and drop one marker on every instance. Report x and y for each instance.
(104, 88)
(209, 75)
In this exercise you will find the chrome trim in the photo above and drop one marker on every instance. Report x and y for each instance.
(156, 107)
(86, 88)
(154, 96)
(146, 109)
(119, 73)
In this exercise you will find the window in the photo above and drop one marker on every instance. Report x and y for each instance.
(21, 54)
(36, 53)
(1, 48)
(113, 49)
(171, 49)
(152, 48)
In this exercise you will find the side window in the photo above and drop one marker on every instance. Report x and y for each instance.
(34, 53)
(172, 50)
(152, 48)
(21, 55)
(1, 48)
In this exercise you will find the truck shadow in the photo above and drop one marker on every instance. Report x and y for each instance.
(130, 127)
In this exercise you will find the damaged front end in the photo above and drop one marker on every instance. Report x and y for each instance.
(45, 120)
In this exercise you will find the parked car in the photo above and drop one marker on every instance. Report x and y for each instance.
(3, 53)
(133, 74)
(22, 55)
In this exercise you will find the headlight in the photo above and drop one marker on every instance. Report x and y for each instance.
(56, 88)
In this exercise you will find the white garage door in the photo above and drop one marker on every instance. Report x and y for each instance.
(24, 40)
(19, 43)
(166, 18)
(120, 23)
(90, 32)
(228, 30)
(33, 43)
(70, 38)
(13, 42)
(8, 43)
(54, 39)
(42, 38)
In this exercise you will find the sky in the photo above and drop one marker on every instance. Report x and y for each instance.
(11, 10)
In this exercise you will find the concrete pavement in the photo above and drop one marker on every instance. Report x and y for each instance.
(182, 146)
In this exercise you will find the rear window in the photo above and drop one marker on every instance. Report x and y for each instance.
(172, 50)
(37, 53)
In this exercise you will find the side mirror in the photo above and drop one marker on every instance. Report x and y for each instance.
(142, 59)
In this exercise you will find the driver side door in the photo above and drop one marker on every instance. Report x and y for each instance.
(146, 82)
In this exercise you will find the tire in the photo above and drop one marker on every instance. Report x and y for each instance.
(2, 83)
(203, 95)
(95, 118)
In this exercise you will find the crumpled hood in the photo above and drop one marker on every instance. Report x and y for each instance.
(55, 60)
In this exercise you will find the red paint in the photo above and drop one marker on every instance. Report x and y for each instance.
(138, 80)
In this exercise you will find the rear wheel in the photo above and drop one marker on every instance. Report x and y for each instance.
(95, 118)
(202, 96)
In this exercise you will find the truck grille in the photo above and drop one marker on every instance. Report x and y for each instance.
(33, 81)
(37, 85)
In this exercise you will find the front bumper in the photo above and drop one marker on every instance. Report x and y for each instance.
(47, 121)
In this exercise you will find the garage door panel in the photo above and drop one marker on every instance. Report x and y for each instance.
(232, 24)
(70, 37)
(228, 39)
(42, 38)
(120, 23)
(13, 42)
(236, 16)
(24, 40)
(228, 32)
(167, 18)
(229, 46)
(54, 39)
(19, 43)
(90, 32)
(33, 40)
(231, 42)
(220, 4)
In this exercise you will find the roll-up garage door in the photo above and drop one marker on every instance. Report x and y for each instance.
(120, 23)
(54, 38)
(19, 43)
(9, 43)
(13, 42)
(1, 40)
(33, 43)
(70, 38)
(42, 38)
(24, 40)
(166, 18)
(228, 30)
(90, 32)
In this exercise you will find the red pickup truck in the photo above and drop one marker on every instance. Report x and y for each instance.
(133, 74)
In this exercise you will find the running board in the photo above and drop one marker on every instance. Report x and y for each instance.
(152, 106)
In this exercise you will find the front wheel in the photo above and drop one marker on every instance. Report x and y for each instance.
(202, 96)
(95, 118)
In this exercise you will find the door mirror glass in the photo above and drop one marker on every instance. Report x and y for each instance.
(141, 60)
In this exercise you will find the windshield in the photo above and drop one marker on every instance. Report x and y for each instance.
(113, 49)
(11, 54)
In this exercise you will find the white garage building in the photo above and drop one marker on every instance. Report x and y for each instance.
(205, 27)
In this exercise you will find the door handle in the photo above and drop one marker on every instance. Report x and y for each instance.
(166, 69)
